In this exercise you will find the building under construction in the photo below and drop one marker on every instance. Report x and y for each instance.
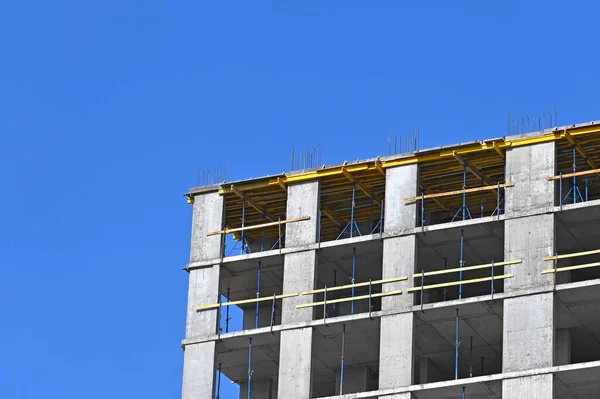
(465, 271)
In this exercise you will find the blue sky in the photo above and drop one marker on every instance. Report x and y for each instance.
(108, 108)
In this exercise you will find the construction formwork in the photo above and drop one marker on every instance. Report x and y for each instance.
(462, 271)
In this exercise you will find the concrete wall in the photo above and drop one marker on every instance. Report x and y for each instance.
(401, 182)
(528, 169)
(203, 288)
(535, 387)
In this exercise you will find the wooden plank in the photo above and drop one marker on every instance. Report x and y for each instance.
(364, 284)
(467, 268)
(349, 299)
(258, 226)
(572, 255)
(243, 301)
(463, 282)
(457, 192)
(567, 268)
(582, 173)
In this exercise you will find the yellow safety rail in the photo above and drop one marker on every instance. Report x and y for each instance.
(462, 282)
(349, 299)
(467, 268)
(365, 284)
(573, 267)
(243, 301)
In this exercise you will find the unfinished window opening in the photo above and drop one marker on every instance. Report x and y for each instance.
(461, 186)
(254, 220)
(345, 358)
(460, 263)
(249, 362)
(454, 343)
(352, 203)
(577, 172)
(577, 255)
(251, 295)
(348, 280)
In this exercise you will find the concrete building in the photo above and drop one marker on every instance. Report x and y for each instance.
(461, 271)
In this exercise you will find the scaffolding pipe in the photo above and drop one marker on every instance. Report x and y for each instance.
(257, 293)
(560, 190)
(352, 280)
(218, 382)
(492, 281)
(464, 205)
(463, 392)
(445, 267)
(352, 213)
(243, 239)
(461, 262)
(249, 364)
(471, 358)
(342, 365)
(456, 349)
(422, 211)
(481, 365)
(273, 312)
(381, 218)
(227, 313)
(574, 177)
(371, 214)
(334, 292)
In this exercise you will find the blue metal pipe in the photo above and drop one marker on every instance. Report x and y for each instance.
(334, 292)
(353, 274)
(464, 205)
(342, 365)
(218, 382)
(257, 293)
(243, 239)
(227, 313)
(457, 344)
(352, 214)
(249, 365)
(460, 277)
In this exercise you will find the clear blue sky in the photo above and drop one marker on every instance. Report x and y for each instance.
(108, 108)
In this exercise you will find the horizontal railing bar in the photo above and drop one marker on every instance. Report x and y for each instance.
(341, 287)
(257, 226)
(582, 173)
(349, 299)
(567, 268)
(243, 301)
(457, 192)
(572, 255)
(467, 268)
(463, 282)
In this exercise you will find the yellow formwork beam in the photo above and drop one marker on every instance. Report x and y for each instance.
(467, 268)
(568, 268)
(572, 255)
(349, 299)
(463, 282)
(364, 284)
(243, 301)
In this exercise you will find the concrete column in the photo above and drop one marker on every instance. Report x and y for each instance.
(399, 257)
(528, 169)
(260, 389)
(528, 331)
(199, 359)
(400, 182)
(535, 387)
(562, 350)
(299, 274)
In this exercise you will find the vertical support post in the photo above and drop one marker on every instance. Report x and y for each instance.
(371, 215)
(456, 349)
(334, 292)
(243, 235)
(481, 199)
(574, 177)
(342, 365)
(492, 281)
(498, 201)
(445, 291)
(370, 302)
(381, 219)
(422, 284)
(461, 262)
(319, 227)
(464, 196)
(257, 293)
(463, 392)
(227, 313)
(471, 358)
(273, 312)
(352, 212)
(218, 393)
(481, 365)
(279, 236)
(353, 274)
(325, 306)
(249, 364)
(422, 211)
(560, 192)
(586, 180)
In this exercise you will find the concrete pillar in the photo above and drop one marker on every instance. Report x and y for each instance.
(199, 359)
(528, 168)
(535, 387)
(260, 389)
(299, 274)
(399, 257)
(562, 350)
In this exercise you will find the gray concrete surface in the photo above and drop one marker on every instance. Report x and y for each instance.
(400, 182)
